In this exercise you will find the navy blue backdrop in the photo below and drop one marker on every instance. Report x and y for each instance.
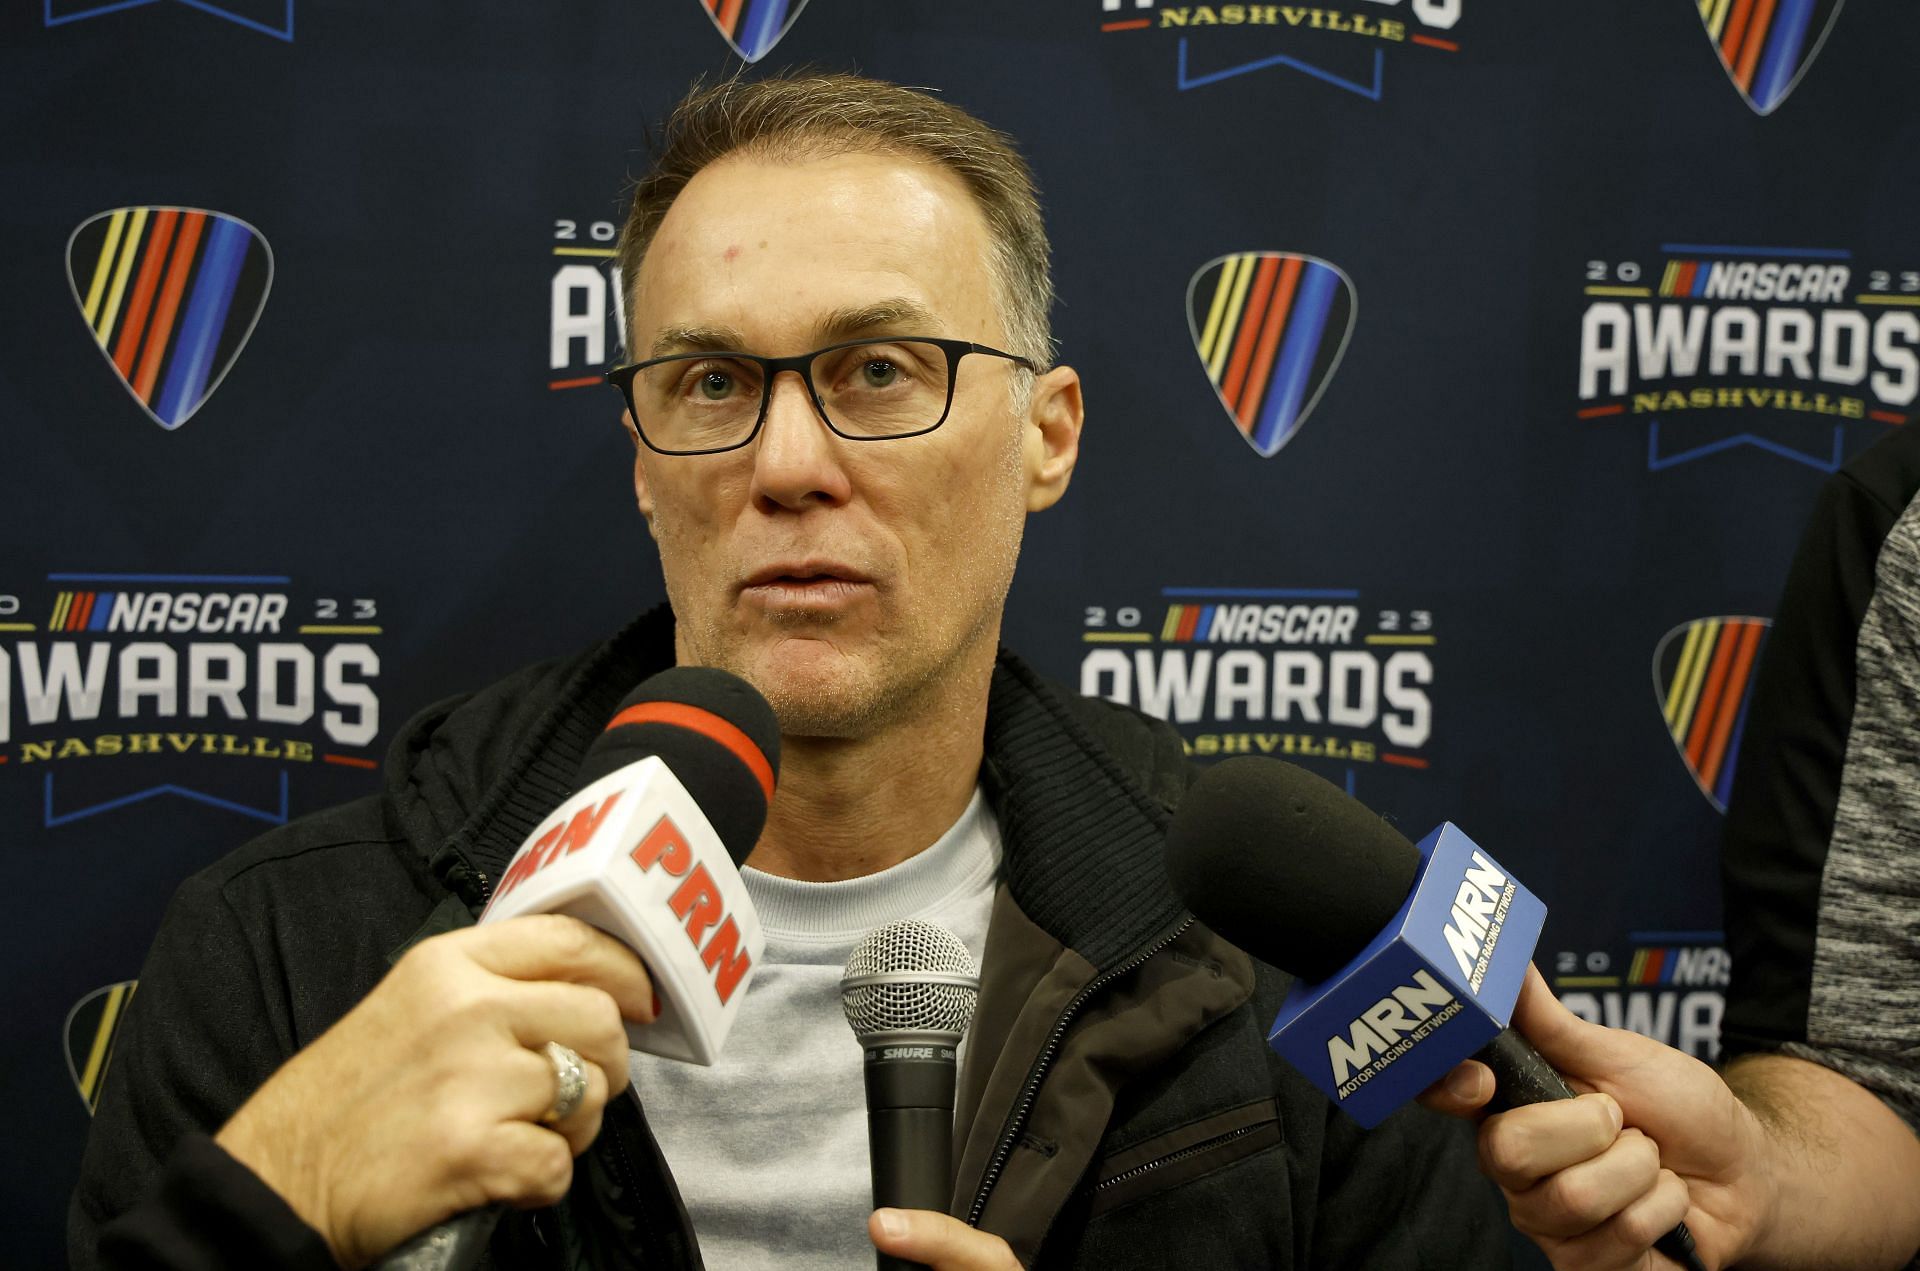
(1459, 373)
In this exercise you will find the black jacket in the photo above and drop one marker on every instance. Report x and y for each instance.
(1119, 1106)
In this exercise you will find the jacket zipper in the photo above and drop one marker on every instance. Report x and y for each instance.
(619, 1162)
(1029, 1092)
(622, 1165)
(1205, 1145)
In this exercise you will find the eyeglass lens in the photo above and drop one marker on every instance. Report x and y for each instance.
(882, 389)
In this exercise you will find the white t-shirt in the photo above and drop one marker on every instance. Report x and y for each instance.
(769, 1146)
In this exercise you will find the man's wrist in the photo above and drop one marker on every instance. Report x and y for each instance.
(1774, 1148)
(1757, 1182)
(272, 1158)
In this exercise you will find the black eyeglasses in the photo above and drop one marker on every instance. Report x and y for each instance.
(865, 390)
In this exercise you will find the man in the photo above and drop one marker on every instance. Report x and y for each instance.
(844, 410)
(1806, 1153)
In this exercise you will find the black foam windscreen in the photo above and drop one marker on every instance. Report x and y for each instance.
(1286, 865)
(715, 732)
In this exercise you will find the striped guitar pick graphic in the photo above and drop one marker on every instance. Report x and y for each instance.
(1703, 676)
(753, 27)
(92, 1026)
(1270, 328)
(1767, 45)
(171, 295)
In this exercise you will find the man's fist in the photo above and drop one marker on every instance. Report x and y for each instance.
(427, 1098)
(1657, 1138)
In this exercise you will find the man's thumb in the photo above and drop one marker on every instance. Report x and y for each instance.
(1573, 1045)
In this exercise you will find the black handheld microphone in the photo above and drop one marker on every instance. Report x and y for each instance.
(720, 743)
(909, 990)
(1291, 869)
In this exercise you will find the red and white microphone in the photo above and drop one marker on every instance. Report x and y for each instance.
(674, 796)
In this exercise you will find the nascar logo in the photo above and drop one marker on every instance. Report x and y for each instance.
(1798, 340)
(1766, 46)
(1270, 329)
(1703, 674)
(170, 296)
(93, 1025)
(753, 27)
(1684, 965)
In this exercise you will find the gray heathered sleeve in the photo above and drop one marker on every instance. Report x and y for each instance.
(1864, 1009)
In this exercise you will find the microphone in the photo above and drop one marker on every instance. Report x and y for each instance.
(1407, 959)
(673, 796)
(909, 990)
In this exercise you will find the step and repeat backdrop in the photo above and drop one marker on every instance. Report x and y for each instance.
(1459, 374)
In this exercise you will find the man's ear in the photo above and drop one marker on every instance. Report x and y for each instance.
(642, 492)
(1052, 444)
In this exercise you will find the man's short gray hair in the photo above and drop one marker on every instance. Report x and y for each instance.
(801, 116)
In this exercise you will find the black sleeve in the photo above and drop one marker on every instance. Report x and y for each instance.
(1786, 786)
(210, 1212)
(201, 1034)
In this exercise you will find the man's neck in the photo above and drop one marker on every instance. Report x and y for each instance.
(851, 807)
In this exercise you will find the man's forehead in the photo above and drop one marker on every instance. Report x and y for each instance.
(828, 247)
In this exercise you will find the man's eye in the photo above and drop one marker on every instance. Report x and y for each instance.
(877, 373)
(715, 385)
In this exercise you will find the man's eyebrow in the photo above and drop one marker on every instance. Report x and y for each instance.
(697, 340)
(898, 314)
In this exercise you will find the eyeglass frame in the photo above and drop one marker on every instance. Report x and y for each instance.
(801, 364)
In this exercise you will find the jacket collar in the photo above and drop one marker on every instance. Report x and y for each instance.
(473, 777)
(1100, 886)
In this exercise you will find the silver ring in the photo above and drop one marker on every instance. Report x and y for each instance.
(569, 1082)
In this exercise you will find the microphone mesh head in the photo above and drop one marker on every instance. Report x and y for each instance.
(909, 977)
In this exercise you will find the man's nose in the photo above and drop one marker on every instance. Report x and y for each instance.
(797, 459)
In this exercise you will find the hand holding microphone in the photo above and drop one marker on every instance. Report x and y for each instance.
(429, 1097)
(438, 1094)
(1407, 960)
(1592, 1194)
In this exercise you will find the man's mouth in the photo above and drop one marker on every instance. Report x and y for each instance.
(806, 585)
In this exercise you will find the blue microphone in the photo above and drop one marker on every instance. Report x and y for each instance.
(1407, 959)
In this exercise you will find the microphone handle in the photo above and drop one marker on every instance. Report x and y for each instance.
(1521, 1076)
(454, 1245)
(910, 1134)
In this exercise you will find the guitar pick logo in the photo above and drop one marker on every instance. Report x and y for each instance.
(1767, 45)
(753, 27)
(170, 295)
(1270, 328)
(1702, 676)
(92, 1026)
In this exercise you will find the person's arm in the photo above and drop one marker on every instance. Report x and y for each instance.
(1821, 864)
(209, 1213)
(1845, 1169)
(424, 1100)
(427, 1099)
(1792, 1166)
(201, 1033)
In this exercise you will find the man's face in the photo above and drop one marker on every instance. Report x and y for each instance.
(847, 580)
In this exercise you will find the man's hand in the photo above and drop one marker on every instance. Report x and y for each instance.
(426, 1099)
(941, 1242)
(1594, 1181)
